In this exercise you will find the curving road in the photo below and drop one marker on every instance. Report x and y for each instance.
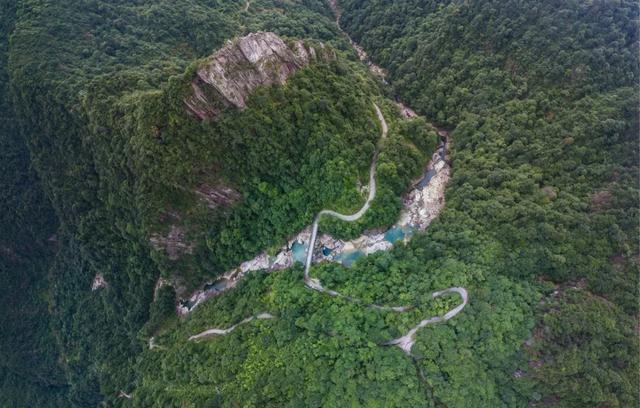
(218, 332)
(352, 217)
(405, 342)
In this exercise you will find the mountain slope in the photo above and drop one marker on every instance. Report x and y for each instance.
(144, 189)
(151, 146)
(544, 99)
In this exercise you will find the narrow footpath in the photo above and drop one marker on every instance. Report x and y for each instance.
(405, 342)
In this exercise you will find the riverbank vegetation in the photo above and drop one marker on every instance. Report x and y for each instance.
(326, 351)
(97, 91)
(98, 156)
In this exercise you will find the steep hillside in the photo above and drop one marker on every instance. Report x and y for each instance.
(144, 188)
(159, 155)
(544, 99)
(29, 370)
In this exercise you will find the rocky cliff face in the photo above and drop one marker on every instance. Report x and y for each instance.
(227, 77)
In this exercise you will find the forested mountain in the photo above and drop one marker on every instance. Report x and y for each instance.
(149, 147)
(545, 102)
(29, 370)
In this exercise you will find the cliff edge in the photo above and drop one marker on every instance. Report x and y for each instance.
(227, 77)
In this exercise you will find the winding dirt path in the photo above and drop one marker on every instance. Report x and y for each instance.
(218, 332)
(352, 217)
(407, 341)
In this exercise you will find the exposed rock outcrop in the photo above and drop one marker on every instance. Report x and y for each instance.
(159, 284)
(362, 54)
(98, 282)
(227, 77)
(174, 243)
(422, 205)
(216, 196)
(406, 111)
(601, 200)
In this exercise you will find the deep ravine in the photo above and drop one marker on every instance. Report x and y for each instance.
(438, 171)
(405, 342)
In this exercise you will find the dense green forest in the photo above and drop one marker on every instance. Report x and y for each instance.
(545, 103)
(99, 158)
(29, 371)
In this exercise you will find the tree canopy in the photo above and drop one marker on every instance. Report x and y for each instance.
(99, 159)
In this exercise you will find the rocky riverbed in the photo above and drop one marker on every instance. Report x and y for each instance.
(422, 204)
(340, 251)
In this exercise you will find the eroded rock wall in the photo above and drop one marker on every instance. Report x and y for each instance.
(227, 77)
